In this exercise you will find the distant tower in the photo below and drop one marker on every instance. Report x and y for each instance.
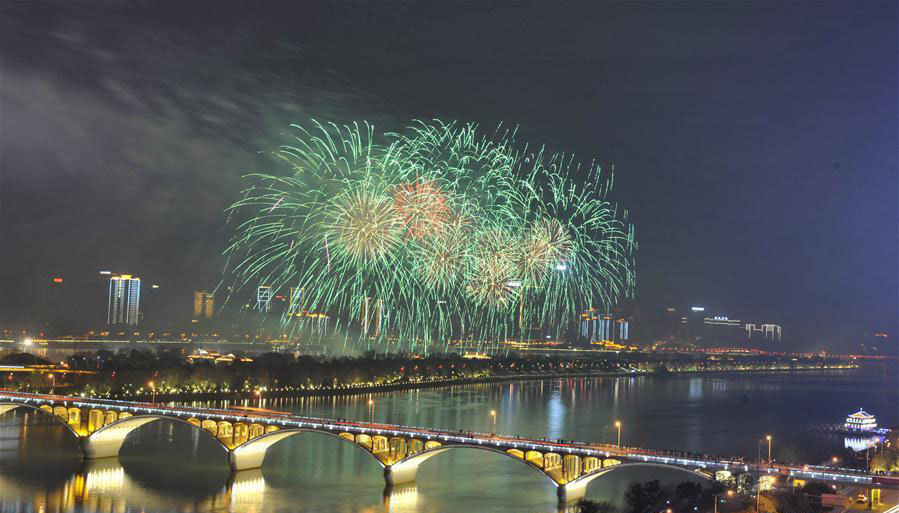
(124, 299)
(372, 316)
(294, 307)
(204, 304)
(264, 298)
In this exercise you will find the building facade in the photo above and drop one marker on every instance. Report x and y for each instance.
(204, 304)
(722, 331)
(600, 327)
(124, 300)
(758, 333)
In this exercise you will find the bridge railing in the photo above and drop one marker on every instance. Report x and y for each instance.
(581, 448)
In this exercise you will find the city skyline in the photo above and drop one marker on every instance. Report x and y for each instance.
(44, 305)
(608, 256)
(727, 209)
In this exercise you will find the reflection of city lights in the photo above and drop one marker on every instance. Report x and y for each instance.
(402, 498)
(104, 479)
(248, 490)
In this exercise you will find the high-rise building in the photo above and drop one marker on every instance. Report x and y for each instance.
(294, 306)
(204, 304)
(598, 327)
(723, 332)
(372, 316)
(763, 332)
(264, 298)
(692, 326)
(124, 299)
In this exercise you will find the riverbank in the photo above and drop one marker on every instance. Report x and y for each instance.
(444, 383)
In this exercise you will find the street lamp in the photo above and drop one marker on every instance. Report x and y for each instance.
(153, 388)
(758, 493)
(729, 493)
(53, 378)
(768, 437)
(258, 397)
(618, 425)
(493, 414)
(371, 411)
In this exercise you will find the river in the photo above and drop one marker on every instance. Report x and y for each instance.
(170, 468)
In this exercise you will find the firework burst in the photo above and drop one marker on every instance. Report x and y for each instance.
(422, 208)
(363, 224)
(451, 232)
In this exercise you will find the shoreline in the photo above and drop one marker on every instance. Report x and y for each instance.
(425, 385)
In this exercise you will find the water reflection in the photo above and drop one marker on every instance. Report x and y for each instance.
(168, 467)
(401, 499)
(105, 485)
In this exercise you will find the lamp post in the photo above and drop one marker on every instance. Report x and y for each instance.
(768, 437)
(493, 414)
(258, 394)
(371, 411)
(153, 389)
(758, 483)
(868, 455)
(53, 379)
(729, 493)
(618, 425)
(758, 493)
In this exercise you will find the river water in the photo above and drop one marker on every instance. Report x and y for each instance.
(166, 467)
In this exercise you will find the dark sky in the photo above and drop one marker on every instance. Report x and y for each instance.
(754, 143)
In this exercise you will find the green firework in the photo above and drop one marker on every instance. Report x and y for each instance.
(436, 234)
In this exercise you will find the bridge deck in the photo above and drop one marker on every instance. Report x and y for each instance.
(458, 438)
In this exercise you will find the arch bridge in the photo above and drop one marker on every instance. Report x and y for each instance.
(245, 437)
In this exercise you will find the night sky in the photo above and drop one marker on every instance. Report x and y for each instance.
(754, 144)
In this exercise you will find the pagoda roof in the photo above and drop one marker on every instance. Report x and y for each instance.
(862, 415)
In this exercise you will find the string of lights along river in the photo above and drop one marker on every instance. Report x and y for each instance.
(41, 470)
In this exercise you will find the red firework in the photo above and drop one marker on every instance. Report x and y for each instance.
(422, 208)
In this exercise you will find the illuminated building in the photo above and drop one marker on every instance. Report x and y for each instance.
(596, 327)
(372, 316)
(293, 305)
(693, 326)
(723, 332)
(204, 304)
(264, 298)
(763, 332)
(862, 421)
(124, 299)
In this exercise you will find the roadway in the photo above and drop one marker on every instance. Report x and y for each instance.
(462, 437)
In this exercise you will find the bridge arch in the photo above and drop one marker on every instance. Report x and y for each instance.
(251, 453)
(406, 469)
(8, 407)
(107, 441)
(577, 488)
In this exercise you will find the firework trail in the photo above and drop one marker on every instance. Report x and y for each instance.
(437, 234)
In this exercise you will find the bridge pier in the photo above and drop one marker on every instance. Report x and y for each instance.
(571, 492)
(401, 473)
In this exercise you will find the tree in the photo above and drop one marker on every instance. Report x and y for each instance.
(787, 502)
(588, 506)
(646, 497)
(744, 483)
(688, 496)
